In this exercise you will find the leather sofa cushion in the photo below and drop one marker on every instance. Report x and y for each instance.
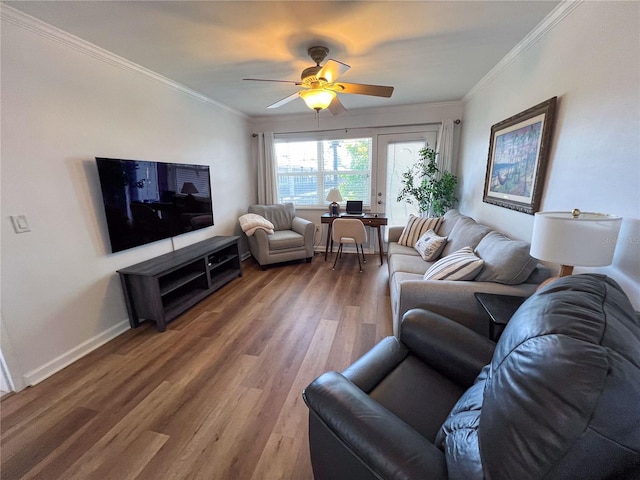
(458, 436)
(418, 395)
(505, 261)
(465, 233)
(567, 372)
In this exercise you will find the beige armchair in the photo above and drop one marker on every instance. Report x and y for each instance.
(292, 238)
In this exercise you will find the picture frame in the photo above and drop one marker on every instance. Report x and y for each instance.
(518, 151)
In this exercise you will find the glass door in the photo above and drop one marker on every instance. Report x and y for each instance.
(398, 152)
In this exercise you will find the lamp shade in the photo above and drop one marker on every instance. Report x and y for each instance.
(318, 99)
(334, 196)
(575, 238)
(189, 188)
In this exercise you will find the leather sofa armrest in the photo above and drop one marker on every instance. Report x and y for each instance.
(377, 438)
(453, 349)
(373, 366)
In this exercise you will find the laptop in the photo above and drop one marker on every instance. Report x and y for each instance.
(354, 207)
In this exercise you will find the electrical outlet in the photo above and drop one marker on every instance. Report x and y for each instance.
(20, 224)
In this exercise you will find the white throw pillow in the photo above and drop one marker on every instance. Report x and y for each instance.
(430, 245)
(416, 227)
(460, 265)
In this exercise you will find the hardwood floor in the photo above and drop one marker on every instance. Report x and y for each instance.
(216, 396)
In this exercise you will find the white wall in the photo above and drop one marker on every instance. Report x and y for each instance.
(62, 105)
(392, 117)
(589, 59)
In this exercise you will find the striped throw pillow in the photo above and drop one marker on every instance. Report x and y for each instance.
(460, 265)
(416, 227)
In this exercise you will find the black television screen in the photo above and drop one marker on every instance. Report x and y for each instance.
(148, 201)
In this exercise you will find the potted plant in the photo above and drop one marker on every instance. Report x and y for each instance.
(424, 186)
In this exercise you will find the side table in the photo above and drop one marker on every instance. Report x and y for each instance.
(500, 309)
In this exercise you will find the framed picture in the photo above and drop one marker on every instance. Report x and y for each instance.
(518, 151)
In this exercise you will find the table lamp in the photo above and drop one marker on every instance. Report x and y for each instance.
(574, 239)
(189, 188)
(334, 197)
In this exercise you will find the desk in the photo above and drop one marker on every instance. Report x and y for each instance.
(369, 220)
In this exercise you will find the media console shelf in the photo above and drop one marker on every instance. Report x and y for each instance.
(162, 288)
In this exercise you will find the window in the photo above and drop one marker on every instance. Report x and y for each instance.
(308, 169)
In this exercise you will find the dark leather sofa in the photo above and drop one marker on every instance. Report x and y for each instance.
(558, 397)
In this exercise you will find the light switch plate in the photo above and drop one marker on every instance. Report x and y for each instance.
(20, 224)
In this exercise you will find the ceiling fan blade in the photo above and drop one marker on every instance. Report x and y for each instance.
(362, 89)
(331, 70)
(336, 107)
(285, 100)
(266, 80)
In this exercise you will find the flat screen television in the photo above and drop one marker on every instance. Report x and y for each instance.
(148, 201)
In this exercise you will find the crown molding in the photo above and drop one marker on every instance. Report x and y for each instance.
(32, 24)
(540, 31)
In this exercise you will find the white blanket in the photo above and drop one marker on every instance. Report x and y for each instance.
(250, 222)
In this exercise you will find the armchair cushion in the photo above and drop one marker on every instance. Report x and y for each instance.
(280, 215)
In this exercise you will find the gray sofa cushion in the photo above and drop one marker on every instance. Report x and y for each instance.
(408, 264)
(280, 215)
(505, 261)
(465, 233)
(448, 221)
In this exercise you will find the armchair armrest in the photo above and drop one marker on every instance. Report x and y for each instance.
(453, 349)
(307, 229)
(379, 440)
(301, 225)
(373, 366)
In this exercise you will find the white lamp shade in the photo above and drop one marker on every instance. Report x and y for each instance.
(318, 99)
(334, 196)
(588, 240)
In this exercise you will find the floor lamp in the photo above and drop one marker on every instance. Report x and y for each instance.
(574, 239)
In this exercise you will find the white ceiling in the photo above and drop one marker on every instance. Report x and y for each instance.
(430, 51)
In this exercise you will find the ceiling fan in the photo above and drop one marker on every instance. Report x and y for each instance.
(319, 85)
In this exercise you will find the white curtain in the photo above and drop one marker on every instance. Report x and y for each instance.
(445, 145)
(267, 178)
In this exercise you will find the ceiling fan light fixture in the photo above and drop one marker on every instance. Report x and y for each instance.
(318, 99)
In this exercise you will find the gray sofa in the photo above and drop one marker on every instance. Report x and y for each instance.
(505, 261)
(292, 238)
